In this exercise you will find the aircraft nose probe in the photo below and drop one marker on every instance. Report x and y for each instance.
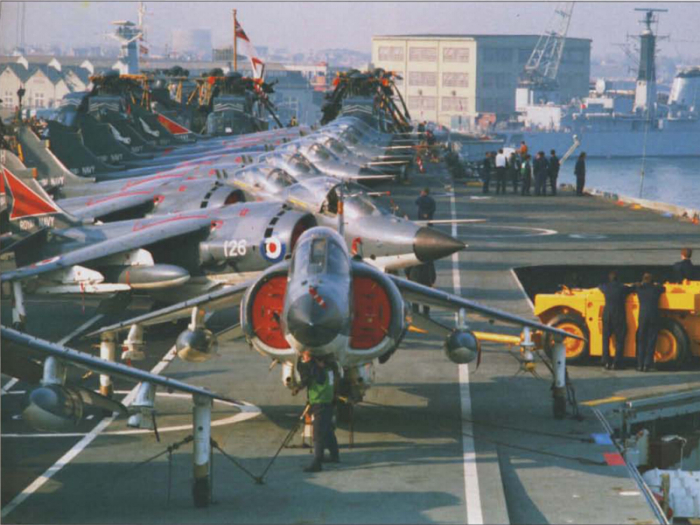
(431, 244)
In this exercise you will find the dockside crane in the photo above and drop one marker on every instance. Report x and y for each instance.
(538, 81)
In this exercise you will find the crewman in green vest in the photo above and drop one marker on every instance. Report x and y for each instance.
(319, 380)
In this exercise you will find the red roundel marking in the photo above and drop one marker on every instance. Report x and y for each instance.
(243, 212)
(266, 311)
(372, 313)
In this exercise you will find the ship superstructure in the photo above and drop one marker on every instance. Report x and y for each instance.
(621, 123)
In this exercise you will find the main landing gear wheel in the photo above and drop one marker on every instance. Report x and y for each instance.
(672, 345)
(576, 350)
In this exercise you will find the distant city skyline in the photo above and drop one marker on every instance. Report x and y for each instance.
(304, 26)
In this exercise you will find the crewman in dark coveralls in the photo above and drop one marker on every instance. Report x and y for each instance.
(422, 274)
(684, 268)
(614, 319)
(486, 170)
(319, 379)
(541, 169)
(426, 205)
(648, 293)
(553, 166)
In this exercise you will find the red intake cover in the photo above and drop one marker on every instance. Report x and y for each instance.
(266, 311)
(372, 313)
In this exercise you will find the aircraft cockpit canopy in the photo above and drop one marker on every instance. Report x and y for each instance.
(301, 163)
(321, 152)
(320, 255)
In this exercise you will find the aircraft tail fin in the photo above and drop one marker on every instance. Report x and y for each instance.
(30, 208)
(51, 172)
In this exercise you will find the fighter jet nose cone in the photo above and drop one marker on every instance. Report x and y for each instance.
(431, 244)
(312, 324)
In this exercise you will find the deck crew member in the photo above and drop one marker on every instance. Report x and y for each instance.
(614, 319)
(526, 174)
(684, 268)
(648, 293)
(319, 380)
(486, 170)
(426, 205)
(422, 274)
(541, 169)
(523, 149)
(501, 161)
(554, 165)
(580, 172)
(514, 170)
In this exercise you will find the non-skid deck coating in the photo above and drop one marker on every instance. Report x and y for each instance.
(408, 459)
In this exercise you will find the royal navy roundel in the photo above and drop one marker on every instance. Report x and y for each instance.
(272, 249)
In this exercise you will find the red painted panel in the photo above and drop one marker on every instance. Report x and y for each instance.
(266, 311)
(372, 313)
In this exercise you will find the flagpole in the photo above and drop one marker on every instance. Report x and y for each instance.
(235, 43)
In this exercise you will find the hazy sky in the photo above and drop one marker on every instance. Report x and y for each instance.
(301, 26)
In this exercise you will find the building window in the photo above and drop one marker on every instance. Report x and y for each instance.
(455, 80)
(498, 55)
(422, 54)
(455, 54)
(8, 99)
(422, 78)
(390, 53)
(455, 104)
(429, 103)
(39, 100)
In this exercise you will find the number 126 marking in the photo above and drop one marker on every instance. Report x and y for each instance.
(235, 248)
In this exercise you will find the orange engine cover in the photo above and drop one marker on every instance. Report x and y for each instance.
(371, 313)
(267, 310)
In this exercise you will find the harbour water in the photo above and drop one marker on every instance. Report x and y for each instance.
(673, 181)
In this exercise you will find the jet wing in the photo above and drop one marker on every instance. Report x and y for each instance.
(449, 221)
(98, 206)
(419, 293)
(147, 234)
(96, 364)
(212, 301)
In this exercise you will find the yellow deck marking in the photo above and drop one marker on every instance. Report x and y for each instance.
(612, 399)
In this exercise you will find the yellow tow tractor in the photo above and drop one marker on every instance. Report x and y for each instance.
(580, 311)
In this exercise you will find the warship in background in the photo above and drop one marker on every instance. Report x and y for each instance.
(612, 123)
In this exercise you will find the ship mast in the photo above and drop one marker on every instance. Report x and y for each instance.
(645, 93)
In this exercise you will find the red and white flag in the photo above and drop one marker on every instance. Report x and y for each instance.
(247, 49)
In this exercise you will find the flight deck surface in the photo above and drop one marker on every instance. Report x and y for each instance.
(433, 442)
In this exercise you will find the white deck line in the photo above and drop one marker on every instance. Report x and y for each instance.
(80, 445)
(522, 289)
(12, 382)
(472, 493)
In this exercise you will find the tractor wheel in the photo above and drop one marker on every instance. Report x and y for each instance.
(576, 350)
(672, 345)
